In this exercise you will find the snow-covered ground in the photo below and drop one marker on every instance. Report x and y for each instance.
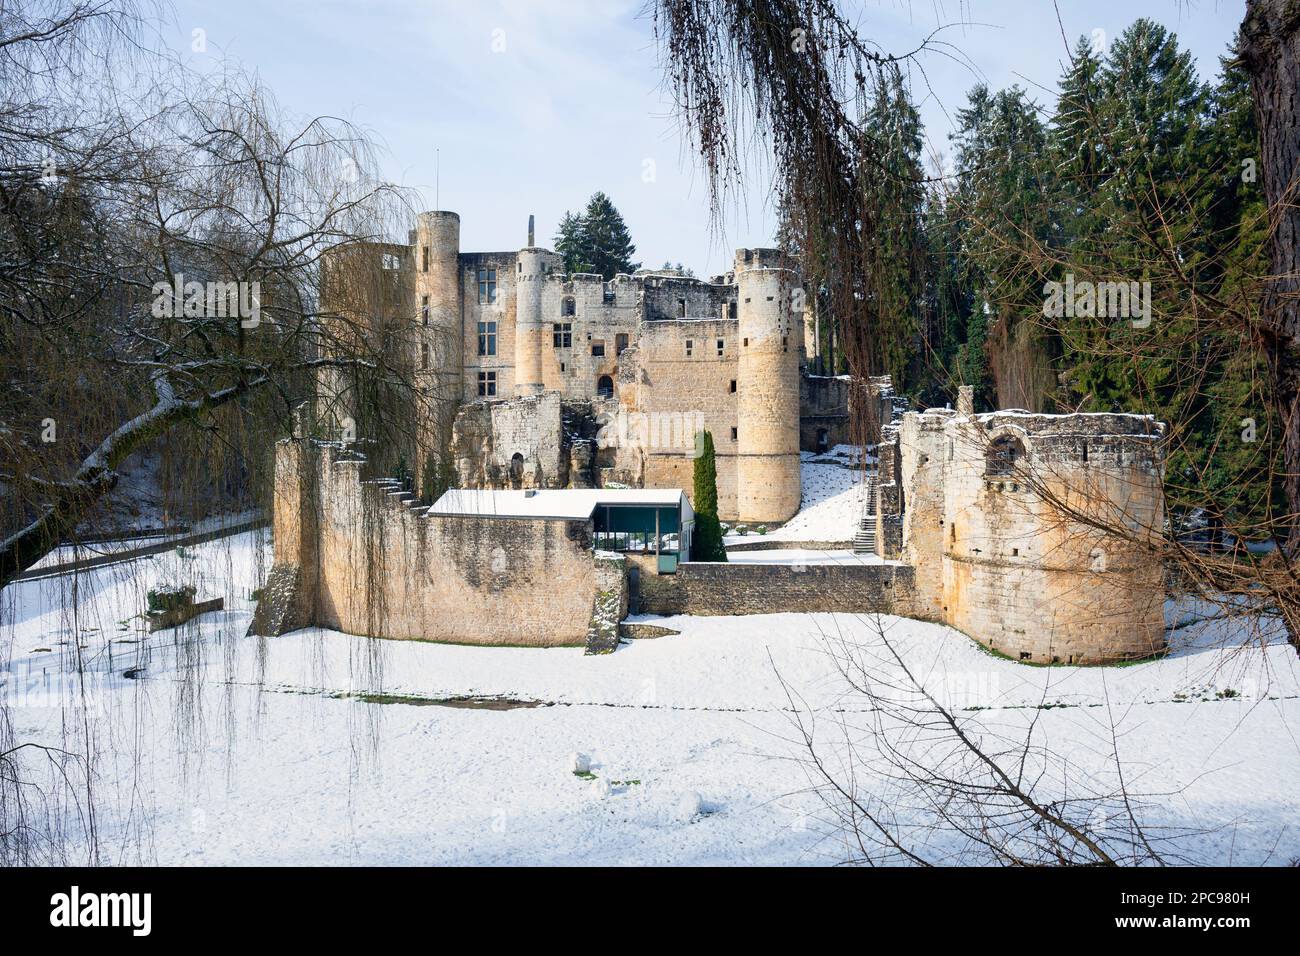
(803, 556)
(322, 748)
(829, 510)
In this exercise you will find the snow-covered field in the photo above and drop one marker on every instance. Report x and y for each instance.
(321, 748)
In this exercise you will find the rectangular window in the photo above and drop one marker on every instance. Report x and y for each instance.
(681, 308)
(598, 347)
(690, 347)
(424, 259)
(731, 309)
(424, 310)
(785, 344)
(487, 338)
(424, 355)
(620, 343)
(487, 384)
(733, 432)
(722, 345)
(733, 385)
(562, 335)
(487, 285)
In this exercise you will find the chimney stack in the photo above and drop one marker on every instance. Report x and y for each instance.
(530, 231)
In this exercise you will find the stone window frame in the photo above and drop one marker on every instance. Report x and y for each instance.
(487, 383)
(690, 347)
(598, 348)
(487, 337)
(620, 343)
(487, 285)
(722, 347)
(1000, 465)
(602, 393)
(562, 335)
(568, 307)
(424, 310)
(424, 258)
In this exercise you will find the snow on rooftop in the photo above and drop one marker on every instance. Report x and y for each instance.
(575, 504)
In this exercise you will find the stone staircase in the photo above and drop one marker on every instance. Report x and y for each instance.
(402, 493)
(864, 539)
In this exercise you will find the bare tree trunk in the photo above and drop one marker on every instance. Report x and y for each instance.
(1271, 52)
(1270, 49)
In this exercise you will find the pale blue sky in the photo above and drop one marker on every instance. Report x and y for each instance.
(571, 101)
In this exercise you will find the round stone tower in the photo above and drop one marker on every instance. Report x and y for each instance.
(767, 389)
(528, 320)
(441, 338)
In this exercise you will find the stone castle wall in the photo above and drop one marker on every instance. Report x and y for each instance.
(721, 589)
(363, 561)
(1035, 534)
(679, 379)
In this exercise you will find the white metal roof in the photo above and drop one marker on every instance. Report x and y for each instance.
(575, 504)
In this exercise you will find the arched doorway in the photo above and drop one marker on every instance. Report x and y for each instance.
(516, 470)
(605, 387)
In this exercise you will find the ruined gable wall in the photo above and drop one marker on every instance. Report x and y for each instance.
(487, 436)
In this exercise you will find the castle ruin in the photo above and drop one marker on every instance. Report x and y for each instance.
(542, 379)
(556, 398)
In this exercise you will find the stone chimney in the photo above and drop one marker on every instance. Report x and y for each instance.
(530, 230)
(966, 400)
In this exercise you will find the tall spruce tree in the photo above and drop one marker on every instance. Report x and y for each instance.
(569, 242)
(896, 199)
(596, 240)
(606, 241)
(1001, 204)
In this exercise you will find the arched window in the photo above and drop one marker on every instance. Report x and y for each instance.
(566, 306)
(516, 470)
(605, 387)
(823, 440)
(1004, 453)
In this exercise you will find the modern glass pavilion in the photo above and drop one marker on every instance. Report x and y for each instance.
(656, 521)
